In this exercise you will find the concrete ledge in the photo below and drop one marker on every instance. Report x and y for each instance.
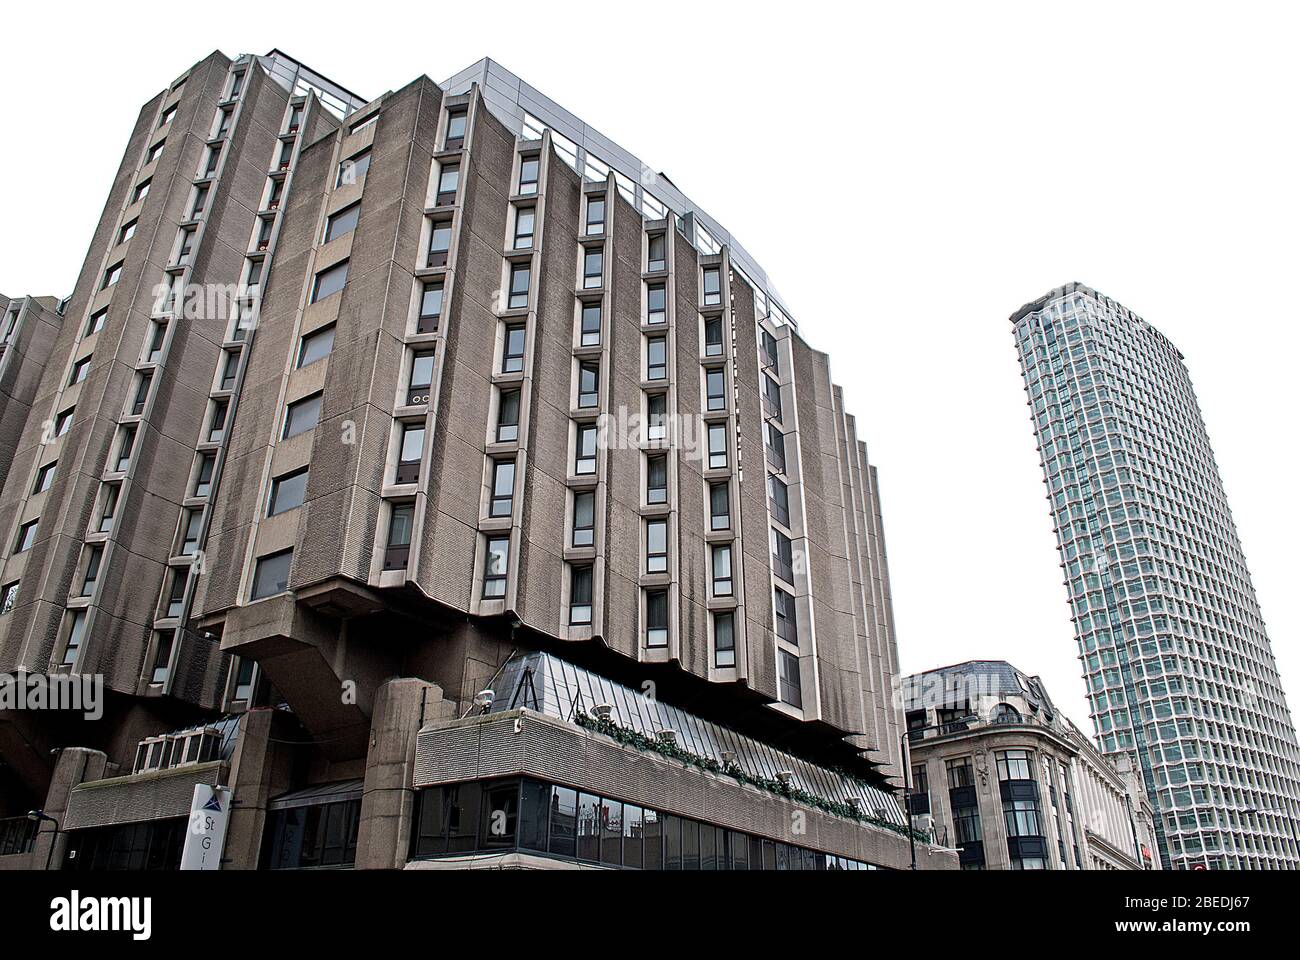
(157, 795)
(544, 747)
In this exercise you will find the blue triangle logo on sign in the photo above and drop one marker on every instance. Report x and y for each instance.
(214, 804)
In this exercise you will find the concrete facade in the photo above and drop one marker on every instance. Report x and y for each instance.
(462, 395)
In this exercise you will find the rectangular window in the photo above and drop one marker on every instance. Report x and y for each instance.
(584, 460)
(580, 595)
(656, 417)
(111, 276)
(782, 556)
(1015, 765)
(176, 591)
(79, 371)
(448, 184)
(353, 169)
(156, 340)
(495, 566)
(63, 422)
(109, 508)
(722, 570)
(767, 344)
(397, 549)
(329, 282)
(315, 346)
(203, 479)
(719, 506)
(76, 634)
(588, 384)
(584, 518)
(724, 639)
(410, 453)
(520, 278)
(8, 597)
(143, 381)
(341, 223)
(713, 337)
(656, 304)
(512, 358)
(525, 224)
(712, 286)
(455, 138)
(230, 371)
(430, 308)
(141, 192)
(529, 169)
(287, 492)
(44, 478)
(786, 622)
(778, 499)
(419, 389)
(508, 417)
(656, 479)
(503, 488)
(775, 446)
(125, 446)
(93, 557)
(590, 325)
(715, 387)
(271, 575)
(790, 688)
(595, 216)
(717, 446)
(593, 268)
(200, 201)
(96, 322)
(244, 681)
(439, 243)
(127, 232)
(218, 429)
(656, 358)
(213, 159)
(656, 546)
(193, 527)
(302, 416)
(771, 397)
(656, 618)
(656, 253)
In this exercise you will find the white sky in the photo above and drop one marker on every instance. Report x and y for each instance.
(908, 174)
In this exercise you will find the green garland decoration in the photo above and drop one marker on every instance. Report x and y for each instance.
(639, 741)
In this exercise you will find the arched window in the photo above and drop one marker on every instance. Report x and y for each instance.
(1006, 713)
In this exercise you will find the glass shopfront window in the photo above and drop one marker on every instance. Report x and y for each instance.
(550, 820)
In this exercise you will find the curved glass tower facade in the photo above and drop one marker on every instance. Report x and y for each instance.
(1177, 662)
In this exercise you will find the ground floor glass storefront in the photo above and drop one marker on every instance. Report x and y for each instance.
(531, 816)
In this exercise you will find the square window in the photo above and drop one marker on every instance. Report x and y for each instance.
(301, 416)
(316, 345)
(341, 223)
(288, 491)
(271, 575)
(329, 282)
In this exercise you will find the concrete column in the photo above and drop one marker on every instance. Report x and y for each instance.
(258, 771)
(75, 765)
(400, 708)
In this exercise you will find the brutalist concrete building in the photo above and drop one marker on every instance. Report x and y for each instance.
(1177, 660)
(452, 488)
(1004, 777)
